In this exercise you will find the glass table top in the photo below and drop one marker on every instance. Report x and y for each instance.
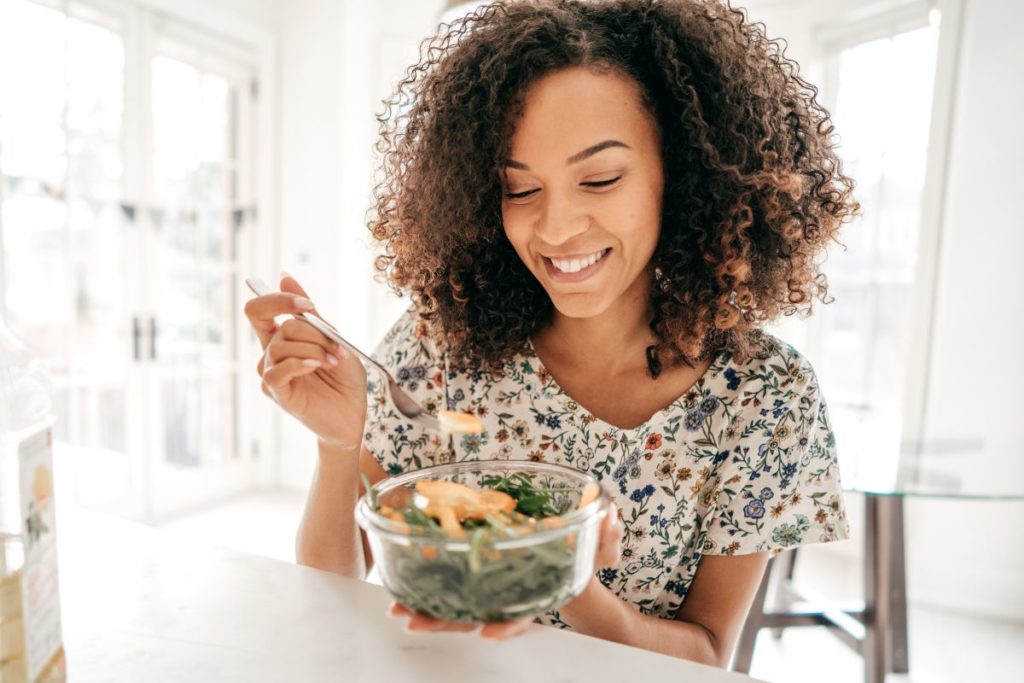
(875, 457)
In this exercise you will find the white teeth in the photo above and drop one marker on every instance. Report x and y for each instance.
(576, 265)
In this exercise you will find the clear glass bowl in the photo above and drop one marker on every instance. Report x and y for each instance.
(489, 575)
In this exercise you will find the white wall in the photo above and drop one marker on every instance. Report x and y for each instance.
(961, 554)
(338, 61)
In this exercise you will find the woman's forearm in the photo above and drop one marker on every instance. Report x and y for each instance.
(328, 537)
(599, 613)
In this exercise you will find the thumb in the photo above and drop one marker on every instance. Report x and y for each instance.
(291, 285)
(609, 550)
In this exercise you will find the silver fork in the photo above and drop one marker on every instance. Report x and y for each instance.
(405, 403)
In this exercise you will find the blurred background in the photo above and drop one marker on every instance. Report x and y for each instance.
(154, 153)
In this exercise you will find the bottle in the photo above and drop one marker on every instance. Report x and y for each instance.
(31, 649)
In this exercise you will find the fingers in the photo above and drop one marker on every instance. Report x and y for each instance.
(262, 310)
(282, 350)
(280, 375)
(421, 622)
(494, 631)
(297, 329)
(298, 338)
(504, 629)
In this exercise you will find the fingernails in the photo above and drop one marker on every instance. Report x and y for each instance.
(284, 275)
(303, 302)
(332, 361)
(341, 352)
(312, 363)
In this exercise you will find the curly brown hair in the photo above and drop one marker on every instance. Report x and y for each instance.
(753, 187)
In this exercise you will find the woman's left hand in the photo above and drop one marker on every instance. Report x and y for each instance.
(609, 551)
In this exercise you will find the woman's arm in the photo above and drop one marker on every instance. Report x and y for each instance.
(705, 629)
(328, 536)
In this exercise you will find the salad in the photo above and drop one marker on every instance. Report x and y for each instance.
(459, 560)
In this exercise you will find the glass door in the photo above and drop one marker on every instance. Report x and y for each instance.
(202, 103)
(127, 155)
(64, 243)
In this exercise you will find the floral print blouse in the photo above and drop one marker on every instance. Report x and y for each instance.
(743, 462)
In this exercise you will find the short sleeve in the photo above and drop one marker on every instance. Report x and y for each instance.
(781, 488)
(397, 443)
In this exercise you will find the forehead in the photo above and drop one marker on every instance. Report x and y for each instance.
(571, 109)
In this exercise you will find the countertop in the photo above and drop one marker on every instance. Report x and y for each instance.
(138, 605)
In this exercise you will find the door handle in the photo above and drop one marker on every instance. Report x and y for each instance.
(136, 338)
(152, 338)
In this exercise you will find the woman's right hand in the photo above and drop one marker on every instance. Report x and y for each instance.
(311, 377)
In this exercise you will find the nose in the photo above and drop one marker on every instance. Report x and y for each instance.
(560, 220)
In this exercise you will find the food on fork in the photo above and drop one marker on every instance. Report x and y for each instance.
(454, 422)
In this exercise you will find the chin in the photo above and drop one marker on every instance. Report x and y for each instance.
(581, 305)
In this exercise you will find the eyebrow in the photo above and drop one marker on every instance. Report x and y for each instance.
(579, 156)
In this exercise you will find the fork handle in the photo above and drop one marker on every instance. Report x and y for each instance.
(328, 331)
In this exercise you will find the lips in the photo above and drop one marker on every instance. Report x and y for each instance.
(576, 267)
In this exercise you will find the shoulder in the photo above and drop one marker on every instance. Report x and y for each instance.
(774, 372)
(408, 343)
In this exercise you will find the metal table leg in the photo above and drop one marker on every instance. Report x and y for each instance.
(876, 589)
(898, 591)
(878, 630)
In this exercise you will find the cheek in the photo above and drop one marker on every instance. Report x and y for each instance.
(640, 223)
(516, 230)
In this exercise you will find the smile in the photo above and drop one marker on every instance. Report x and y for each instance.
(575, 268)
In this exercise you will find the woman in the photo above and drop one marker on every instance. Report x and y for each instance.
(595, 207)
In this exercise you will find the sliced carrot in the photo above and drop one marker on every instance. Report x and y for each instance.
(448, 519)
(589, 495)
(498, 501)
(459, 497)
(429, 553)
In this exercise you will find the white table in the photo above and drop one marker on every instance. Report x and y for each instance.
(140, 606)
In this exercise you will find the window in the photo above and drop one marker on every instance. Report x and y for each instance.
(127, 154)
(879, 90)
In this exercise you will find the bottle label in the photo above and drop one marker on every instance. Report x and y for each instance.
(40, 595)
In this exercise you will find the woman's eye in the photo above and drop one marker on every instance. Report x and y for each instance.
(519, 195)
(595, 183)
(603, 183)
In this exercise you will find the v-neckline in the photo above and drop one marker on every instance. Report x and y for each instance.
(701, 382)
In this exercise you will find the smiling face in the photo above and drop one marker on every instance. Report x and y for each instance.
(583, 189)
